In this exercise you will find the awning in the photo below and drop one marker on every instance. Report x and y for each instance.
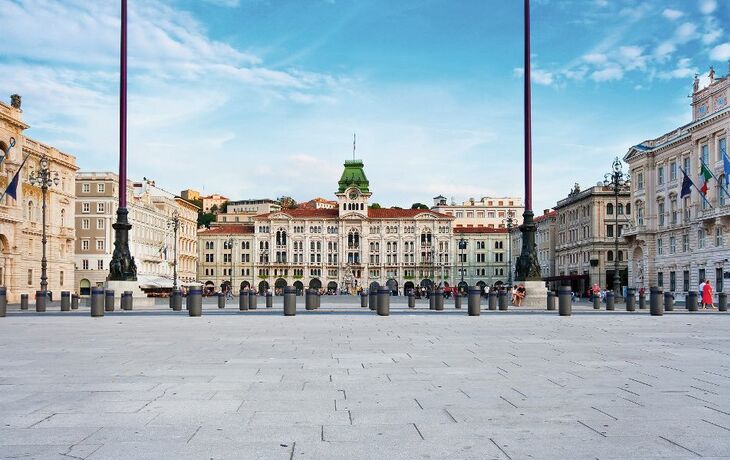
(154, 282)
(192, 283)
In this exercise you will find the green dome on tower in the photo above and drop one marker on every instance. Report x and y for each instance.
(353, 176)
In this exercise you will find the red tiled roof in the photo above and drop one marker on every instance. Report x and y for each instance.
(545, 216)
(227, 230)
(389, 213)
(479, 230)
(313, 202)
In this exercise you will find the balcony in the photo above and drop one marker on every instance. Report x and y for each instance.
(633, 230)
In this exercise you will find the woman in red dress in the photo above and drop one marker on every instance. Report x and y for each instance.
(707, 296)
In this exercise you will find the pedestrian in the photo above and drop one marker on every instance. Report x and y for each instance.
(701, 292)
(707, 296)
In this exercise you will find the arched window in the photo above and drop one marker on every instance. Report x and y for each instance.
(628, 208)
(609, 208)
(620, 208)
(609, 256)
(30, 215)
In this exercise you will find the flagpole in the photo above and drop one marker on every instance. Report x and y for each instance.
(696, 188)
(715, 177)
(13, 178)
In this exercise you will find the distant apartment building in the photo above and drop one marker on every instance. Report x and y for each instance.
(243, 211)
(489, 212)
(212, 200)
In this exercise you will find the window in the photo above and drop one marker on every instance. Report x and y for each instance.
(100, 265)
(609, 256)
(85, 264)
(659, 246)
(685, 281)
(100, 208)
(30, 276)
(718, 236)
(640, 181)
(99, 245)
(609, 230)
(660, 175)
(620, 209)
(640, 216)
(660, 279)
(84, 224)
(672, 245)
(660, 213)
(85, 207)
(84, 245)
(609, 208)
(722, 190)
(85, 188)
(685, 243)
(700, 239)
(673, 170)
(672, 281)
(100, 188)
(686, 167)
(705, 154)
(100, 224)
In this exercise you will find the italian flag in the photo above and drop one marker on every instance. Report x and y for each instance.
(705, 176)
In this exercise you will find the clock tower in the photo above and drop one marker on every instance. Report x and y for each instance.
(353, 190)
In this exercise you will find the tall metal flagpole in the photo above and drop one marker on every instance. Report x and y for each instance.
(528, 267)
(122, 266)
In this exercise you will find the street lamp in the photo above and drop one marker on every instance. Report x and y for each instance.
(616, 179)
(462, 247)
(174, 224)
(43, 179)
(509, 221)
(230, 246)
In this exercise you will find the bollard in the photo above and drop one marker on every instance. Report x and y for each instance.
(252, 300)
(317, 299)
(596, 302)
(642, 301)
(432, 301)
(125, 302)
(23, 301)
(221, 300)
(668, 301)
(691, 301)
(65, 301)
(363, 300)
(242, 300)
(610, 301)
(630, 299)
(551, 301)
(97, 302)
(565, 301)
(309, 302)
(457, 301)
(3, 301)
(373, 299)
(269, 300)
(176, 300)
(383, 301)
(195, 296)
(722, 301)
(109, 300)
(492, 299)
(439, 294)
(502, 300)
(290, 301)
(411, 300)
(473, 301)
(656, 305)
(40, 301)
(74, 302)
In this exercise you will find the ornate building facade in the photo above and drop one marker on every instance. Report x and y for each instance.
(676, 242)
(20, 220)
(489, 212)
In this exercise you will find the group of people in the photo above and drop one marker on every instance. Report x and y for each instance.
(705, 292)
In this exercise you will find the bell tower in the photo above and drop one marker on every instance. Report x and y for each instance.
(353, 190)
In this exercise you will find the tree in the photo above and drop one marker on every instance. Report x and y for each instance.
(375, 206)
(395, 207)
(419, 206)
(287, 202)
(214, 209)
(224, 207)
(205, 219)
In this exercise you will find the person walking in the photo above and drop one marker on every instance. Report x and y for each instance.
(701, 292)
(707, 296)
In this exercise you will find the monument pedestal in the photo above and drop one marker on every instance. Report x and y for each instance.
(535, 294)
(140, 299)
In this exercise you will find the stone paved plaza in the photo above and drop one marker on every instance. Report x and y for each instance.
(341, 382)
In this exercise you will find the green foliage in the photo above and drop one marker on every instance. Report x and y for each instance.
(375, 206)
(419, 206)
(287, 202)
(205, 219)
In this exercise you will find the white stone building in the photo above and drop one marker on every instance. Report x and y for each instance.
(489, 212)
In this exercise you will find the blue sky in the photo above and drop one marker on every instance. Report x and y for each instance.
(259, 98)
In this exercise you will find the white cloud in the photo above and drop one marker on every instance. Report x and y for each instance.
(595, 58)
(610, 73)
(664, 50)
(720, 52)
(708, 6)
(672, 14)
(683, 70)
(711, 36)
(686, 32)
(538, 76)
(632, 57)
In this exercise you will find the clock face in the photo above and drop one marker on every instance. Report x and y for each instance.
(354, 194)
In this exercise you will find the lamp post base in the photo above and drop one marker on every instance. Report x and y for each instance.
(122, 266)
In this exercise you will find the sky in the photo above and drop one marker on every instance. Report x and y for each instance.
(260, 98)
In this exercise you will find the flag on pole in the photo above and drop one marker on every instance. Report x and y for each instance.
(705, 176)
(726, 167)
(686, 186)
(12, 188)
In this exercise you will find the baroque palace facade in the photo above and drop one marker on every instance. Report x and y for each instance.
(677, 242)
(338, 248)
(20, 220)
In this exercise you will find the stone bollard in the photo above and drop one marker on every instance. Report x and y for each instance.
(630, 299)
(195, 301)
(373, 299)
(691, 301)
(642, 301)
(383, 301)
(74, 302)
(473, 301)
(65, 301)
(290, 301)
(722, 301)
(502, 300)
(317, 299)
(668, 301)
(221, 300)
(551, 301)
(432, 301)
(125, 302)
(40, 301)
(109, 300)
(411, 300)
(243, 300)
(309, 302)
(457, 300)
(97, 302)
(439, 294)
(492, 299)
(610, 301)
(656, 305)
(253, 300)
(269, 300)
(363, 300)
(23, 301)
(565, 301)
(596, 302)
(176, 300)
(3, 301)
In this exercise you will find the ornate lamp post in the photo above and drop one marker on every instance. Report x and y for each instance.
(230, 246)
(462, 247)
(509, 221)
(43, 179)
(616, 179)
(174, 224)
